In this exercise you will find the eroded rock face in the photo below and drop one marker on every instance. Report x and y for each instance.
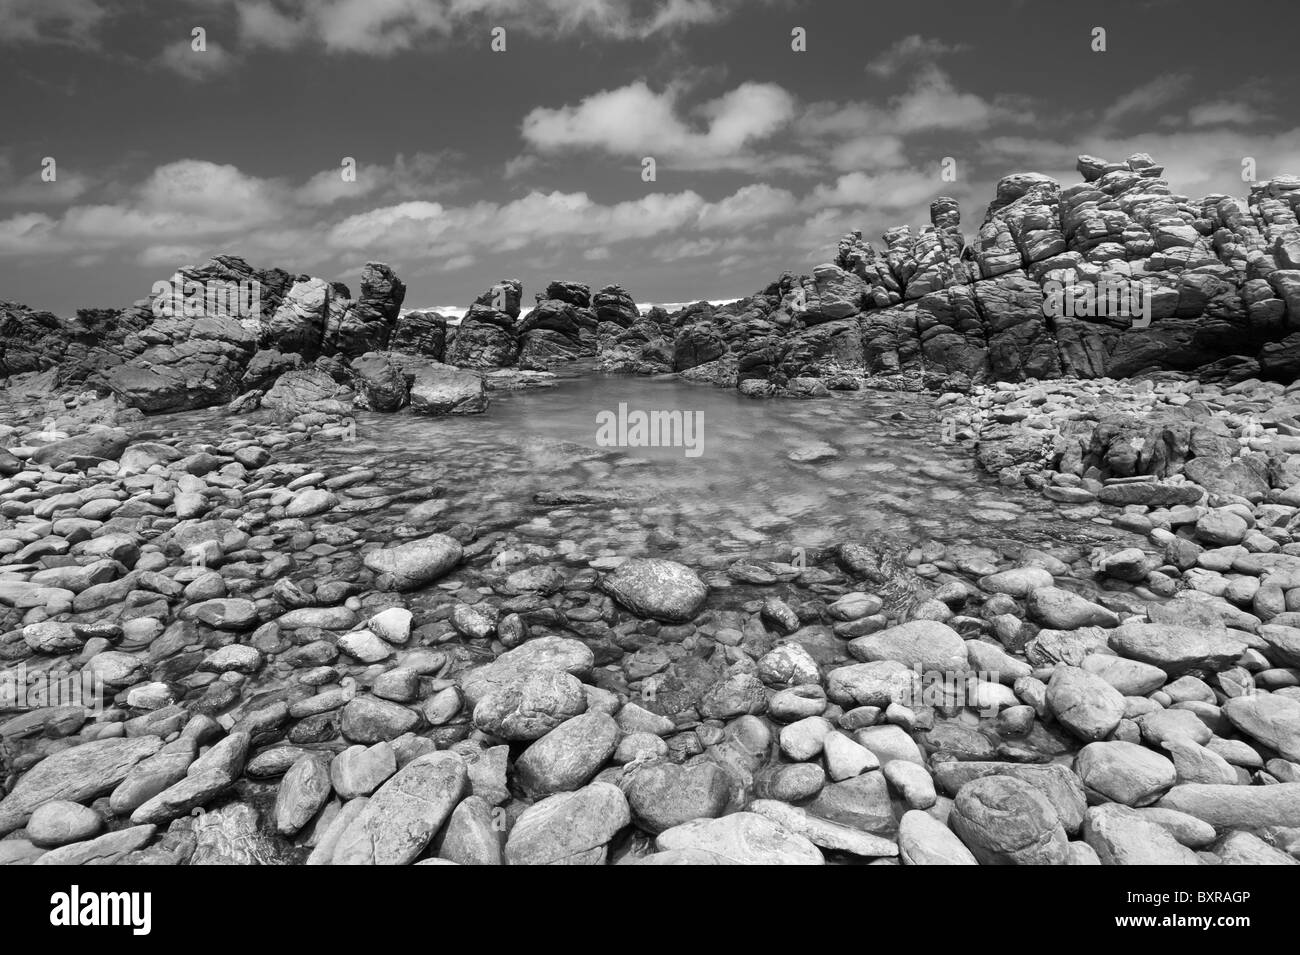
(366, 324)
(485, 338)
(420, 332)
(192, 343)
(1110, 277)
(197, 363)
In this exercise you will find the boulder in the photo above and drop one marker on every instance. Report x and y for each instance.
(1004, 821)
(652, 587)
(572, 828)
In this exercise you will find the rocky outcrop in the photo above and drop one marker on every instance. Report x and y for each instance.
(1110, 277)
(1115, 276)
(354, 328)
(556, 330)
(205, 335)
(420, 332)
(487, 337)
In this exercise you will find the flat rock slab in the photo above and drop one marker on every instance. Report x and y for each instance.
(404, 813)
(1122, 836)
(925, 645)
(1237, 807)
(107, 849)
(75, 774)
(1272, 719)
(1177, 649)
(924, 840)
(569, 828)
(824, 833)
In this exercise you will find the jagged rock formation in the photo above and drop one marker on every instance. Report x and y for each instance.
(1219, 273)
(1221, 277)
(486, 336)
(191, 349)
(301, 344)
(1217, 281)
(420, 333)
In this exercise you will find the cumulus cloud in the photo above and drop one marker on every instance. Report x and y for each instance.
(792, 177)
(910, 51)
(190, 200)
(758, 126)
(933, 102)
(384, 27)
(636, 121)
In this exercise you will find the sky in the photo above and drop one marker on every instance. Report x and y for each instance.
(475, 164)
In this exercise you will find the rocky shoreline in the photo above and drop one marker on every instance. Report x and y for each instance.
(477, 698)
(273, 673)
(1045, 290)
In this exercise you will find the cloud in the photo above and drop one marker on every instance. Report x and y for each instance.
(412, 212)
(30, 189)
(1153, 95)
(421, 175)
(749, 205)
(1224, 113)
(759, 127)
(186, 210)
(895, 191)
(261, 24)
(175, 205)
(201, 188)
(63, 22)
(635, 121)
(932, 102)
(181, 58)
(385, 27)
(910, 51)
(430, 228)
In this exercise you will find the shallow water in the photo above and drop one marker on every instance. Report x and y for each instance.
(890, 482)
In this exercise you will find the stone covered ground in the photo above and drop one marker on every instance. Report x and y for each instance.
(281, 690)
